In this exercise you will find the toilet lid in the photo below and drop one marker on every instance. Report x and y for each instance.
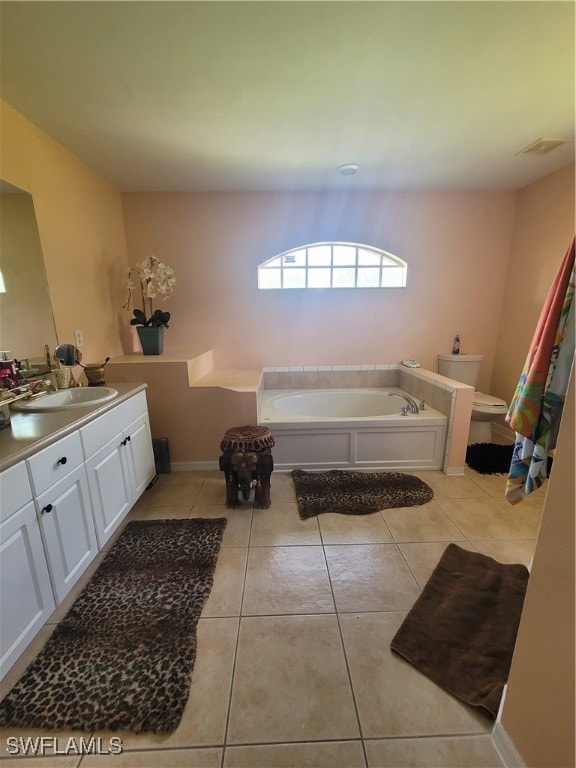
(488, 401)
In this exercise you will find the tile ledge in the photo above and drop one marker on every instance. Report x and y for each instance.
(238, 380)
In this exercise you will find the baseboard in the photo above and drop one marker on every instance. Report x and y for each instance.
(190, 466)
(505, 747)
(503, 744)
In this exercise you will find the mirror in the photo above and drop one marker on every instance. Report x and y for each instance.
(26, 318)
(68, 354)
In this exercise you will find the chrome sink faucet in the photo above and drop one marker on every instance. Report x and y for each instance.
(412, 404)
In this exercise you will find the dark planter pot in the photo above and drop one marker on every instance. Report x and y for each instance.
(151, 339)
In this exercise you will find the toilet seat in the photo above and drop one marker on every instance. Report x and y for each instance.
(489, 404)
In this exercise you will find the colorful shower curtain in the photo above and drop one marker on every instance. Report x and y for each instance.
(536, 407)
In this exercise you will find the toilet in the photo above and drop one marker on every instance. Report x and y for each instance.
(486, 408)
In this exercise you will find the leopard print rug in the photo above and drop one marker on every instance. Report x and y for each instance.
(122, 658)
(356, 493)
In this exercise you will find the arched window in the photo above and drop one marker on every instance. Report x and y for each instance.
(333, 265)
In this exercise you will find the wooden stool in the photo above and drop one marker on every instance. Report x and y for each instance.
(246, 459)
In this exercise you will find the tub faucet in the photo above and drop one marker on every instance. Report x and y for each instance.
(412, 404)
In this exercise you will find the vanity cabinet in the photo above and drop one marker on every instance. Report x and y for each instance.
(118, 469)
(64, 510)
(25, 591)
(59, 506)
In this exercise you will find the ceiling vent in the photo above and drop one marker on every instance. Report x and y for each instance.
(541, 146)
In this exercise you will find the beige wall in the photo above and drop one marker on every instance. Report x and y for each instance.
(456, 245)
(538, 713)
(543, 230)
(81, 230)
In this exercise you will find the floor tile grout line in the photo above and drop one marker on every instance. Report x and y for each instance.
(403, 556)
(348, 672)
(238, 618)
(235, 660)
(454, 522)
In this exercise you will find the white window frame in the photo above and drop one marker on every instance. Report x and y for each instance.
(326, 264)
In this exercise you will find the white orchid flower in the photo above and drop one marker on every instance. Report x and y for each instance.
(153, 277)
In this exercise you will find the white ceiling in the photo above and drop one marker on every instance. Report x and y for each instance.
(275, 95)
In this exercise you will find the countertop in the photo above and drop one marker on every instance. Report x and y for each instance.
(31, 432)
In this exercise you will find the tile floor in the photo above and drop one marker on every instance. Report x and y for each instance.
(293, 667)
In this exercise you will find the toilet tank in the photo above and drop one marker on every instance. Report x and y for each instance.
(462, 368)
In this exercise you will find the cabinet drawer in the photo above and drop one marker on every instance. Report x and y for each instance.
(99, 432)
(15, 490)
(53, 463)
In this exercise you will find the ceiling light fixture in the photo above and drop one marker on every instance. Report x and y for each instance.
(348, 170)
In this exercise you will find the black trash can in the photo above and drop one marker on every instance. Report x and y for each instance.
(161, 455)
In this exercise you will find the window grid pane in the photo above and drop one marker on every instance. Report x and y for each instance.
(344, 277)
(319, 277)
(319, 256)
(368, 258)
(344, 255)
(368, 277)
(333, 265)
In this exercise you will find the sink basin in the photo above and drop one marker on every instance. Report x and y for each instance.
(65, 399)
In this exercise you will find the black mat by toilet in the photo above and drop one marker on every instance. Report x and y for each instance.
(489, 458)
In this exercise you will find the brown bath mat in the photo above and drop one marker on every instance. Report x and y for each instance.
(462, 629)
(351, 492)
(122, 657)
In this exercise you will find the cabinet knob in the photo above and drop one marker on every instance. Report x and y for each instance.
(46, 509)
(128, 439)
(123, 442)
(63, 460)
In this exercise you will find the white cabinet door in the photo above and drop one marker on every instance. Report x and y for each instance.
(25, 592)
(140, 454)
(110, 484)
(68, 530)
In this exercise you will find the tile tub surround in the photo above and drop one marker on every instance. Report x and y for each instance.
(447, 396)
(351, 429)
(304, 676)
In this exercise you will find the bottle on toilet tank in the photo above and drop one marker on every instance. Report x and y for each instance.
(456, 345)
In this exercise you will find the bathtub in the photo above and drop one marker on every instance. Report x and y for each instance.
(351, 428)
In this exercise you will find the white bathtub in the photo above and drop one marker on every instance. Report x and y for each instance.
(323, 428)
